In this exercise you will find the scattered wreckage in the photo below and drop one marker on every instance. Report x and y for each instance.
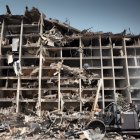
(45, 64)
(71, 124)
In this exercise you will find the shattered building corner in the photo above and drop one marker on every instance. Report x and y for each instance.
(53, 71)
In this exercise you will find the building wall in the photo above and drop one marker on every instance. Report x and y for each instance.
(113, 58)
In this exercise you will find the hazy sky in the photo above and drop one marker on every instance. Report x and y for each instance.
(102, 15)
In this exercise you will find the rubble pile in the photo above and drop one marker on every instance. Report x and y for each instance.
(49, 126)
(54, 125)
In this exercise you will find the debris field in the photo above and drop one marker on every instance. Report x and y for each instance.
(55, 80)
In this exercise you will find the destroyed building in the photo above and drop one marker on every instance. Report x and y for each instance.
(47, 66)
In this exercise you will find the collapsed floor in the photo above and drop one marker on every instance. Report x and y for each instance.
(52, 70)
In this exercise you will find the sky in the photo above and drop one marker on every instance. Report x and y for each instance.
(99, 15)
